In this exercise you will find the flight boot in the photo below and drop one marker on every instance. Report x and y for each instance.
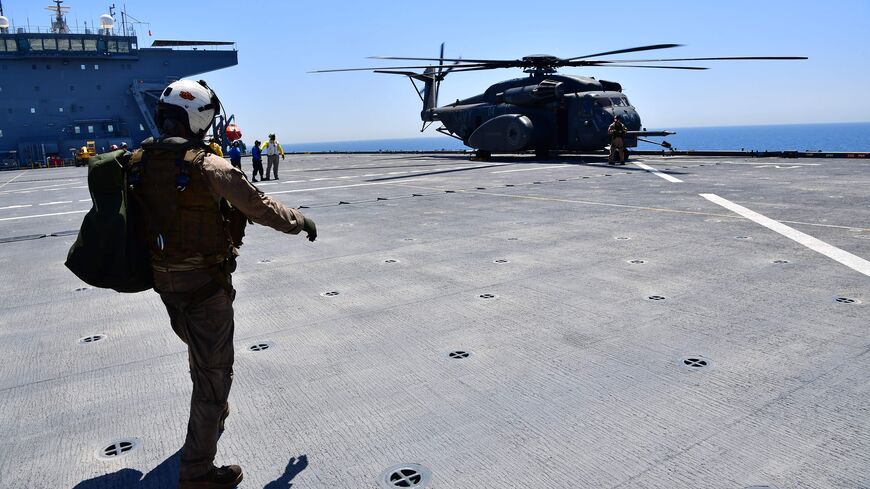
(226, 477)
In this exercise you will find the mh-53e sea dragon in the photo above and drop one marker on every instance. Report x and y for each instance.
(544, 112)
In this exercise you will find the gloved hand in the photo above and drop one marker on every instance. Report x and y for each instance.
(310, 229)
(282, 157)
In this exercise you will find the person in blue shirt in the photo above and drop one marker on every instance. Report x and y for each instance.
(235, 155)
(257, 155)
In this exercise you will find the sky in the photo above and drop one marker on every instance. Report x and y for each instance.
(280, 41)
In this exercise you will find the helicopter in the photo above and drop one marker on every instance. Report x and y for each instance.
(544, 112)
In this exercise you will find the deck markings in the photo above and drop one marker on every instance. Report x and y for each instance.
(624, 206)
(330, 188)
(58, 203)
(7, 182)
(531, 169)
(854, 262)
(657, 172)
(41, 215)
(19, 206)
(33, 189)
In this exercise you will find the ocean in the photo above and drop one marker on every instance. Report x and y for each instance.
(800, 137)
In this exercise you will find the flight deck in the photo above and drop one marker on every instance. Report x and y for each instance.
(515, 323)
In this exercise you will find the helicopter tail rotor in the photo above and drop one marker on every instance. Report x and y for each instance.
(431, 77)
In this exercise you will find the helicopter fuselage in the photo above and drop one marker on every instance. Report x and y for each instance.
(540, 112)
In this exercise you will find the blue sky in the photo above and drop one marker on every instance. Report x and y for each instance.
(279, 41)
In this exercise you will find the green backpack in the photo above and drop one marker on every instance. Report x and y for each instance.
(109, 252)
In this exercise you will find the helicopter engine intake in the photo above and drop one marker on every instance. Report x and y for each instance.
(546, 91)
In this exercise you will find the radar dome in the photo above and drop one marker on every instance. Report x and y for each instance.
(106, 21)
(4, 22)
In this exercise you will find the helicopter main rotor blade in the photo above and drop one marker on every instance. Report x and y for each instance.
(423, 67)
(629, 50)
(725, 58)
(478, 68)
(495, 61)
(610, 65)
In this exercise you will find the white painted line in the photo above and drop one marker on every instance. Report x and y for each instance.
(56, 203)
(7, 182)
(854, 262)
(767, 164)
(85, 200)
(317, 179)
(658, 173)
(295, 181)
(15, 206)
(337, 186)
(531, 169)
(32, 189)
(41, 215)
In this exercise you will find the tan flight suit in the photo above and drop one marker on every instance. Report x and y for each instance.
(616, 131)
(192, 250)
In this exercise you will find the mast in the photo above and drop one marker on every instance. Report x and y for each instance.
(59, 25)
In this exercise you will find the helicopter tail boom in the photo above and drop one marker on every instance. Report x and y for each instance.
(428, 94)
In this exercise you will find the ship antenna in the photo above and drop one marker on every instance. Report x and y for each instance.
(59, 25)
(1, 8)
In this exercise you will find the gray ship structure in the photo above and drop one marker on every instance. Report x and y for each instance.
(63, 87)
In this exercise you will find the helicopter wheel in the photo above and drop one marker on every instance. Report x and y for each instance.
(542, 154)
(483, 155)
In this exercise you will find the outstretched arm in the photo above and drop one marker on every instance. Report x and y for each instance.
(231, 184)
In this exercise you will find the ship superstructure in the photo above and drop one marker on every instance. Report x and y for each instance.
(61, 88)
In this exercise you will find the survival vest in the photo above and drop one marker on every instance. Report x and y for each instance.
(185, 225)
(108, 252)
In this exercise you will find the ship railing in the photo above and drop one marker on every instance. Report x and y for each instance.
(194, 45)
(38, 29)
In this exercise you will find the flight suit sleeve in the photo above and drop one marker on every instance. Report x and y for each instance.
(230, 183)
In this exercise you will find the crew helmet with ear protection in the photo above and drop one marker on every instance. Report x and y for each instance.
(197, 102)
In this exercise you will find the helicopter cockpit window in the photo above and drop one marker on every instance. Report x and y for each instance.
(618, 102)
(603, 101)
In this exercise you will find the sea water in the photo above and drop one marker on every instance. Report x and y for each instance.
(800, 137)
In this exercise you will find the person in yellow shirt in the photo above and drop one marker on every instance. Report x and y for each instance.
(272, 148)
(215, 147)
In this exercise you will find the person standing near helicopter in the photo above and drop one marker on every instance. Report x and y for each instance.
(616, 131)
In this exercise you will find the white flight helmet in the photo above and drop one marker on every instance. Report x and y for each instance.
(198, 102)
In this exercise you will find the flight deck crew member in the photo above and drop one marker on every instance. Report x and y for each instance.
(616, 131)
(256, 161)
(215, 147)
(235, 155)
(273, 149)
(187, 197)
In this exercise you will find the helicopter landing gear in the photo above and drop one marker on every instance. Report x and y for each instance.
(482, 155)
(542, 154)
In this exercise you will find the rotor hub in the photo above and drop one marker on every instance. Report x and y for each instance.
(541, 64)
